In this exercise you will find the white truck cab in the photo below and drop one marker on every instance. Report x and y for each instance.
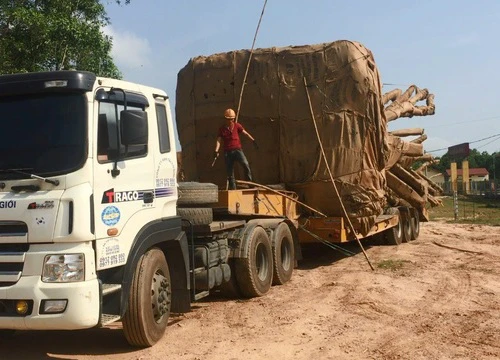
(94, 227)
(88, 205)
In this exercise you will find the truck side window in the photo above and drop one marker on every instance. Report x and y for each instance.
(163, 134)
(108, 137)
(102, 138)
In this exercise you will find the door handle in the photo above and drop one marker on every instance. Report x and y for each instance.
(148, 197)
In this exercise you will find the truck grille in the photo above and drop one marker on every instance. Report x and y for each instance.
(13, 248)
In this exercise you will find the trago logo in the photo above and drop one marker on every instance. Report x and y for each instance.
(112, 196)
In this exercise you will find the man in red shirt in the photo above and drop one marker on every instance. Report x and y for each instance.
(229, 134)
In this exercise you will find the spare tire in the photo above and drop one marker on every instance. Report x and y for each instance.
(196, 216)
(195, 193)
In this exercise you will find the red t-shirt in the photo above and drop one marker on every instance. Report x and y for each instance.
(231, 137)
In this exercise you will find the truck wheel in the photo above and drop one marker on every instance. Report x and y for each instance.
(405, 218)
(283, 254)
(394, 235)
(255, 273)
(415, 224)
(149, 300)
(196, 216)
(195, 193)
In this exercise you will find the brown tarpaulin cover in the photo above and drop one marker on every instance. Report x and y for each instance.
(345, 90)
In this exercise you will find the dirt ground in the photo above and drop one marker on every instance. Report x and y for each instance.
(435, 298)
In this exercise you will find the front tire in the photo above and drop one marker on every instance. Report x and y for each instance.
(149, 300)
(255, 272)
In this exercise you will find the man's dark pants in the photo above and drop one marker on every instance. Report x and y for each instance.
(230, 158)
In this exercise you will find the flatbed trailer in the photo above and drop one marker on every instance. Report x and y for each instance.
(397, 225)
(241, 216)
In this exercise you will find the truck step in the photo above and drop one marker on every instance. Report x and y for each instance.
(110, 288)
(201, 295)
(108, 319)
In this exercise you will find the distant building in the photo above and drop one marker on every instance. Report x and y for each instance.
(475, 174)
(435, 175)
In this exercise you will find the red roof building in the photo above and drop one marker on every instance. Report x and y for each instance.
(475, 174)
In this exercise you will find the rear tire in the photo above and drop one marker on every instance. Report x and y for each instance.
(394, 235)
(405, 218)
(255, 273)
(149, 300)
(283, 254)
(415, 224)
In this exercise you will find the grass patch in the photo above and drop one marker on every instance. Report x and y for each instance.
(392, 265)
(471, 210)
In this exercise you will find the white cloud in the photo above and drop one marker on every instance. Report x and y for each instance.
(129, 50)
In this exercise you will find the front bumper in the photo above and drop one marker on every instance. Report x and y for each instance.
(82, 310)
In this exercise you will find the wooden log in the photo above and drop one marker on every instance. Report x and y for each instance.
(415, 182)
(426, 164)
(391, 96)
(413, 149)
(407, 132)
(438, 190)
(434, 202)
(420, 139)
(405, 191)
(404, 104)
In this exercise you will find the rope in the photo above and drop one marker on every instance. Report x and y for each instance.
(281, 193)
(327, 243)
(344, 211)
(249, 59)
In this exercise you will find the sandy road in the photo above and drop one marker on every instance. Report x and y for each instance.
(434, 298)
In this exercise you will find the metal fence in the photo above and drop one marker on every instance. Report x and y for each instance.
(488, 188)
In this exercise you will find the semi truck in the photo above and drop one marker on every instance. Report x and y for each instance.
(96, 228)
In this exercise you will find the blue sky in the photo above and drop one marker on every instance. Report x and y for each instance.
(449, 47)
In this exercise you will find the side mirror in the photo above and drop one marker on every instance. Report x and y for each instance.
(134, 127)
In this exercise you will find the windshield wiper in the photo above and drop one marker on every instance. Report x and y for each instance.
(33, 176)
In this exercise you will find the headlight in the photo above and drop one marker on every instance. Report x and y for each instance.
(64, 268)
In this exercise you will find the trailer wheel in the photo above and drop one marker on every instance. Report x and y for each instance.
(394, 235)
(196, 216)
(405, 218)
(415, 224)
(195, 193)
(255, 273)
(149, 300)
(283, 254)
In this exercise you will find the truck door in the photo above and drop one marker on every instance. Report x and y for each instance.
(123, 189)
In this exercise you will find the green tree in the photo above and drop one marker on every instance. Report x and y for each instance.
(46, 35)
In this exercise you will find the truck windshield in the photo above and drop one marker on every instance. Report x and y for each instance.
(45, 133)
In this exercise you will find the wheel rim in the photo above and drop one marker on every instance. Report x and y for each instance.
(408, 226)
(399, 230)
(261, 262)
(160, 296)
(285, 255)
(416, 224)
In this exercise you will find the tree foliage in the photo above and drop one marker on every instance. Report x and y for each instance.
(490, 162)
(47, 35)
